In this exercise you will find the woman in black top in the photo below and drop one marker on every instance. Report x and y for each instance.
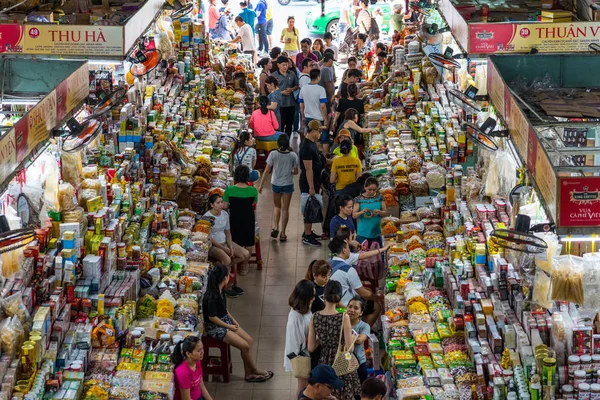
(221, 325)
(348, 102)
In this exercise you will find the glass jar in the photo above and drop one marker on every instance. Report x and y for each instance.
(595, 391)
(578, 377)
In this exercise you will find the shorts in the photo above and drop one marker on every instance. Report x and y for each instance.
(370, 241)
(324, 138)
(304, 198)
(269, 27)
(363, 372)
(369, 308)
(286, 189)
(215, 331)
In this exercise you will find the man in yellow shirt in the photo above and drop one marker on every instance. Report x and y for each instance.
(345, 169)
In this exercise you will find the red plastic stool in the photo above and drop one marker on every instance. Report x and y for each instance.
(256, 257)
(216, 365)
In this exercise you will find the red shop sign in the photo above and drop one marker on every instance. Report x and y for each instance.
(579, 202)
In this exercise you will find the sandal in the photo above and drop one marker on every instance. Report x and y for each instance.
(260, 378)
(274, 233)
(283, 238)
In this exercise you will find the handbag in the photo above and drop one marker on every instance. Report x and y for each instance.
(301, 365)
(345, 362)
(312, 211)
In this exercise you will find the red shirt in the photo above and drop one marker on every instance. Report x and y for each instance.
(213, 16)
(185, 378)
(263, 124)
(300, 57)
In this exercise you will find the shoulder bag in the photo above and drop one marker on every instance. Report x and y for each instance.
(345, 361)
(301, 365)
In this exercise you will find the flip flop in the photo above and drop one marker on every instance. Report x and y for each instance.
(283, 238)
(274, 233)
(261, 378)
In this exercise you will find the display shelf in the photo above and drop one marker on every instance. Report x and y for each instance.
(565, 176)
(516, 36)
(94, 42)
(56, 88)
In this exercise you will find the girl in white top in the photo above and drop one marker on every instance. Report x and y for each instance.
(245, 154)
(296, 332)
(223, 248)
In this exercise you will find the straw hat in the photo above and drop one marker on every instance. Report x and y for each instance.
(343, 134)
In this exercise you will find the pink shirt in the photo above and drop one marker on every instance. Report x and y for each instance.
(263, 124)
(185, 378)
(213, 16)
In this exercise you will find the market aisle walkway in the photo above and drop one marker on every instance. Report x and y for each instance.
(263, 309)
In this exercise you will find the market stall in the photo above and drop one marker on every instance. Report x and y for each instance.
(103, 244)
(548, 103)
(484, 298)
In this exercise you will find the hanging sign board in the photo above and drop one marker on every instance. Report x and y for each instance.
(557, 37)
(8, 155)
(579, 201)
(75, 40)
(41, 120)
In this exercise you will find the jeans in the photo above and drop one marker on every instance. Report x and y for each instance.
(287, 119)
(270, 27)
(263, 40)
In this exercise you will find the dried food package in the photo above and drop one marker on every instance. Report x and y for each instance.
(66, 197)
(567, 279)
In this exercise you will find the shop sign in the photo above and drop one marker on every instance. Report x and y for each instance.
(11, 38)
(545, 179)
(74, 89)
(496, 89)
(518, 127)
(579, 201)
(21, 134)
(8, 155)
(41, 120)
(559, 37)
(74, 40)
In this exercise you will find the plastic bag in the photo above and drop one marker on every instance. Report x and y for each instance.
(66, 197)
(567, 279)
(544, 260)
(312, 211)
(11, 336)
(13, 305)
(72, 171)
(541, 289)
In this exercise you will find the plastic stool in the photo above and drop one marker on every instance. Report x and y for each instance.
(213, 365)
(256, 257)
(262, 153)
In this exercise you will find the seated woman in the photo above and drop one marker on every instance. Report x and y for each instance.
(263, 122)
(223, 249)
(221, 325)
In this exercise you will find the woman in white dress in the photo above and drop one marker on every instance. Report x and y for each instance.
(296, 332)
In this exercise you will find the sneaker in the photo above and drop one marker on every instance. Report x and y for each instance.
(238, 290)
(312, 236)
(311, 241)
(230, 293)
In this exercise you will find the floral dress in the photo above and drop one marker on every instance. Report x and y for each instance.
(327, 328)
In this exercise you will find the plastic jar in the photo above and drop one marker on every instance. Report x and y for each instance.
(594, 391)
(584, 392)
(578, 377)
(568, 392)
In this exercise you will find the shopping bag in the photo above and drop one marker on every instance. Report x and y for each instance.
(312, 211)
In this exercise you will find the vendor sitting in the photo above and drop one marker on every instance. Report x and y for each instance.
(263, 122)
(344, 134)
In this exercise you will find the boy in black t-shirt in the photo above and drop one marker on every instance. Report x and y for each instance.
(311, 165)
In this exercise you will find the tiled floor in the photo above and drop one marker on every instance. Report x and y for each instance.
(262, 311)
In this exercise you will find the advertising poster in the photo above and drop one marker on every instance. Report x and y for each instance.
(11, 38)
(579, 201)
(558, 37)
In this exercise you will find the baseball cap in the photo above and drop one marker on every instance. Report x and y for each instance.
(325, 374)
(314, 125)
